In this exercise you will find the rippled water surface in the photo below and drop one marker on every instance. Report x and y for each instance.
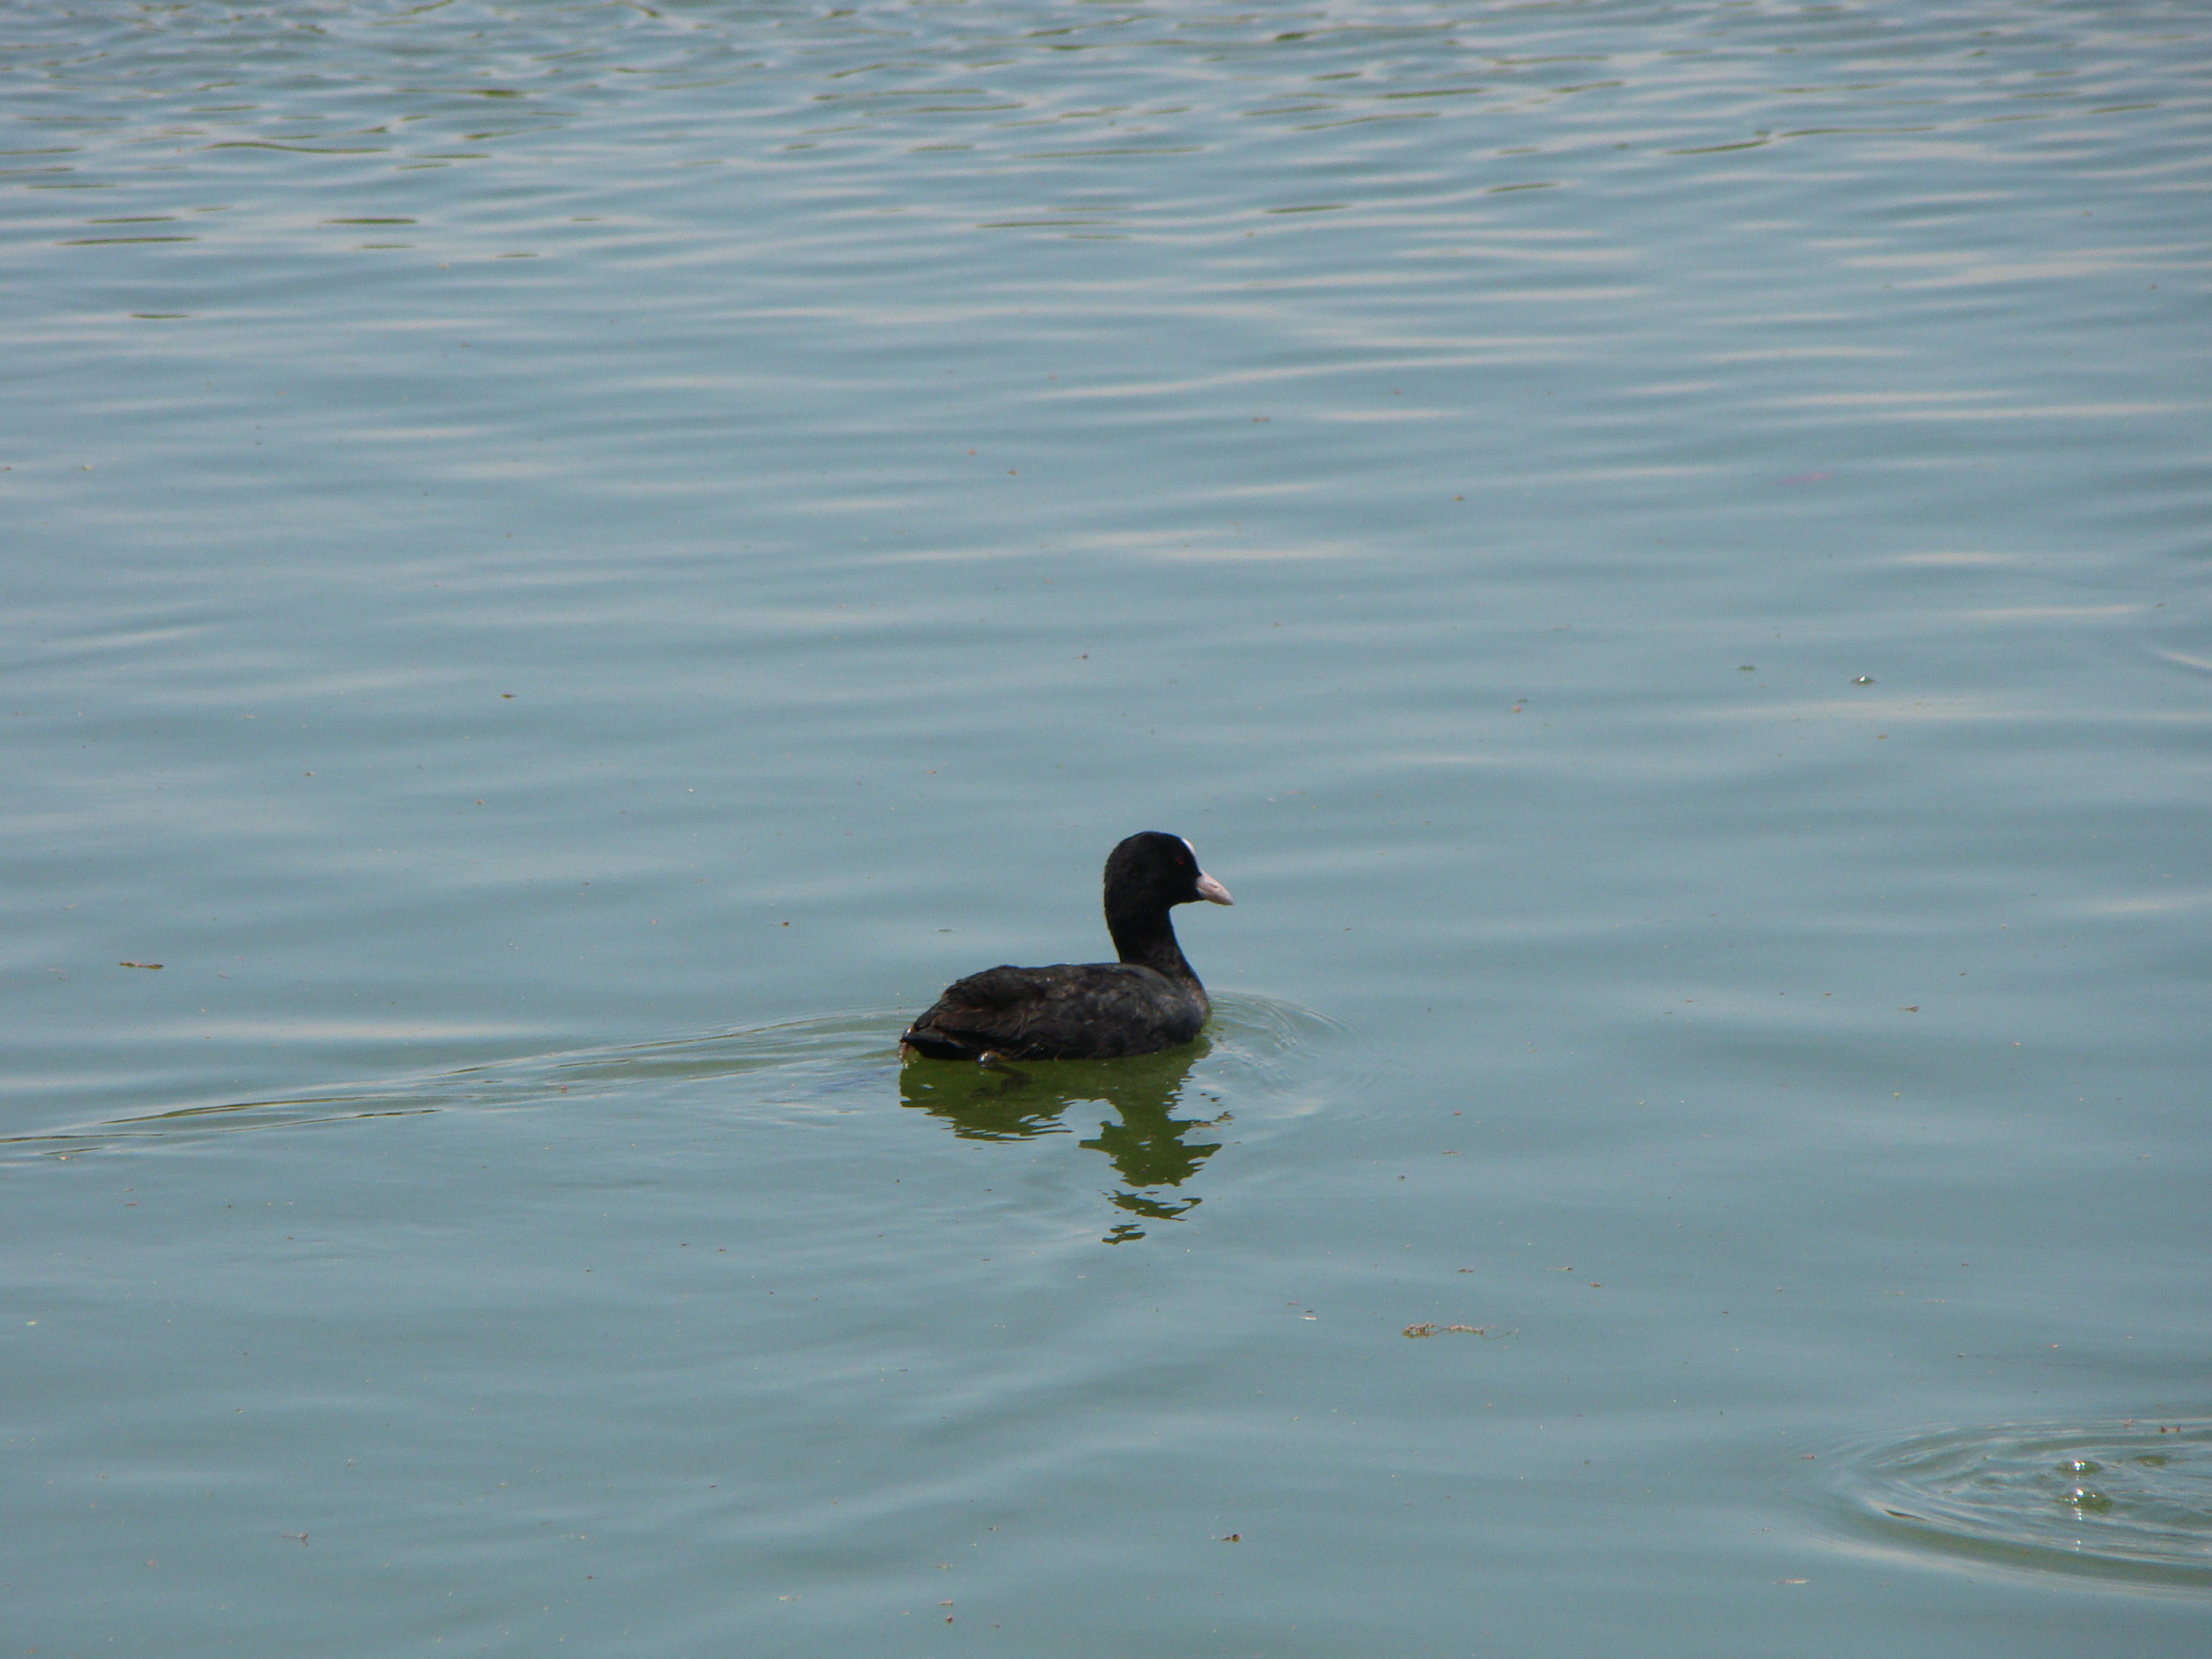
(2131, 1498)
(568, 565)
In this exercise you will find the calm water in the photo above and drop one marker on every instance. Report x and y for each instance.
(568, 565)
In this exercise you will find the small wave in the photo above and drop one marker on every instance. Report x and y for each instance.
(812, 1060)
(2128, 1501)
(1290, 1059)
(2179, 635)
(840, 1063)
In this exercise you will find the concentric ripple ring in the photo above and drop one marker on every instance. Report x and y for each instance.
(2129, 1500)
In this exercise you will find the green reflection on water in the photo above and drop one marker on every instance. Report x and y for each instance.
(1147, 1147)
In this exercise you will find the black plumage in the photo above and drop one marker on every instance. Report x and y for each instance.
(1148, 1000)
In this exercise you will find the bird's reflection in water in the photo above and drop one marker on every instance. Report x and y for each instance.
(1147, 1147)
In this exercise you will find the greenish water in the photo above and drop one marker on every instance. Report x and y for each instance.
(568, 565)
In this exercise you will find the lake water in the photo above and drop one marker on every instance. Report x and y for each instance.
(568, 565)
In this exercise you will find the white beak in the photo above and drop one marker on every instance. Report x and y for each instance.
(1212, 890)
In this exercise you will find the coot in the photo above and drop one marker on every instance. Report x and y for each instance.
(1148, 1000)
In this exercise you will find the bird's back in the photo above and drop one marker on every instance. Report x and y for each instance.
(1097, 1011)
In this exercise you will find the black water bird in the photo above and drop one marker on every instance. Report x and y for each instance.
(1148, 1000)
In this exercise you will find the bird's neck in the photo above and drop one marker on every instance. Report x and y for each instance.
(1146, 939)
